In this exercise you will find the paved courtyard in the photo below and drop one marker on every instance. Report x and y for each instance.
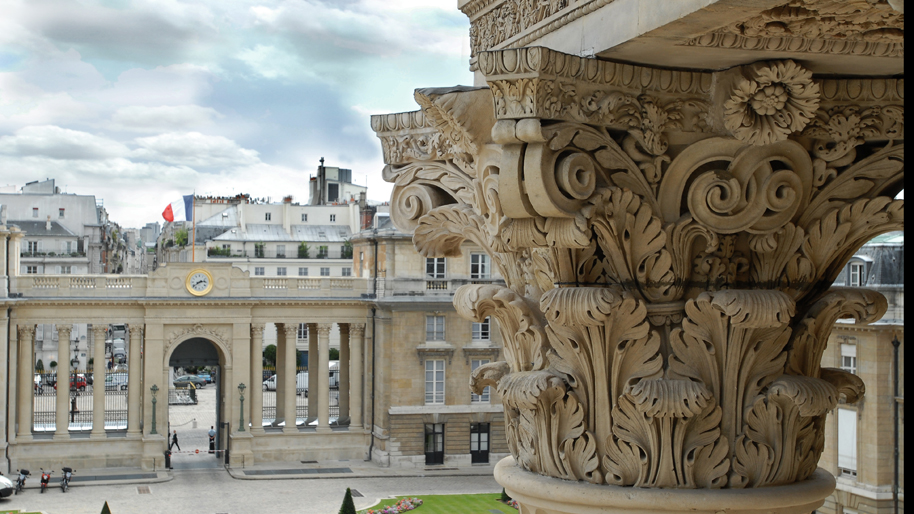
(214, 491)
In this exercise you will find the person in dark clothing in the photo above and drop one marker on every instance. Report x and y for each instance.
(174, 440)
(212, 439)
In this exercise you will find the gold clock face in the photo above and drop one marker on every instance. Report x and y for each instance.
(199, 282)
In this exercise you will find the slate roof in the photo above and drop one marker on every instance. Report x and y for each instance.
(39, 228)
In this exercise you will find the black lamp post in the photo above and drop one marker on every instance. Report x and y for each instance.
(242, 387)
(154, 389)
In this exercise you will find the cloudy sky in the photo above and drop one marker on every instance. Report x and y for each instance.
(141, 101)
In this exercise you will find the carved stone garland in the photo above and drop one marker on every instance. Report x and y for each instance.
(663, 325)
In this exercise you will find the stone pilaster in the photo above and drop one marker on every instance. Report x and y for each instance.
(280, 375)
(98, 379)
(313, 398)
(134, 380)
(356, 340)
(256, 394)
(62, 417)
(26, 333)
(668, 241)
(323, 377)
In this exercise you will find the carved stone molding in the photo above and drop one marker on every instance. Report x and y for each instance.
(357, 329)
(846, 27)
(257, 331)
(198, 330)
(667, 293)
(323, 329)
(136, 331)
(479, 352)
(435, 352)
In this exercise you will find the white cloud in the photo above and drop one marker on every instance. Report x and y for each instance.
(164, 118)
(269, 61)
(195, 150)
(60, 143)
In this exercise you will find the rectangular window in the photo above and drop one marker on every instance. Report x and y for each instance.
(434, 381)
(68, 247)
(280, 251)
(849, 358)
(484, 397)
(434, 267)
(258, 271)
(434, 328)
(847, 442)
(325, 272)
(34, 212)
(332, 218)
(281, 271)
(32, 246)
(304, 217)
(60, 213)
(66, 270)
(481, 330)
(302, 331)
(227, 247)
(31, 270)
(322, 252)
(302, 272)
(347, 272)
(479, 266)
(856, 274)
(268, 216)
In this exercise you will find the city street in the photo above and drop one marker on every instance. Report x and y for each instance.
(214, 491)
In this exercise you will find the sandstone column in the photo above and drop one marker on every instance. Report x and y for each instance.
(313, 398)
(256, 391)
(668, 241)
(280, 374)
(323, 377)
(26, 380)
(343, 377)
(290, 380)
(356, 340)
(63, 391)
(98, 379)
(134, 380)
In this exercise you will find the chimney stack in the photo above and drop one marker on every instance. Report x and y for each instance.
(47, 225)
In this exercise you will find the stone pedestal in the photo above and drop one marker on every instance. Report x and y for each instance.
(538, 494)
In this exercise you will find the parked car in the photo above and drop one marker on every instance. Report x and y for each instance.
(88, 377)
(116, 381)
(184, 380)
(6, 486)
(301, 383)
(77, 382)
(206, 376)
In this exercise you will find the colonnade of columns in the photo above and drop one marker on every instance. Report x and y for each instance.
(25, 341)
(350, 375)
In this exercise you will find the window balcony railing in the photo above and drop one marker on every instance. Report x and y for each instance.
(220, 253)
(33, 255)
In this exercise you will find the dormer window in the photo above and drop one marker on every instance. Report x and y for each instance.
(855, 273)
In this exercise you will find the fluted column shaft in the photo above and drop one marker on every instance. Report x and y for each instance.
(62, 420)
(256, 378)
(313, 398)
(134, 381)
(98, 384)
(289, 378)
(26, 384)
(323, 376)
(356, 340)
(344, 371)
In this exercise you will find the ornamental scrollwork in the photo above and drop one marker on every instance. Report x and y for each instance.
(668, 292)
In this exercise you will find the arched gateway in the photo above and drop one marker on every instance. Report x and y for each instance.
(168, 326)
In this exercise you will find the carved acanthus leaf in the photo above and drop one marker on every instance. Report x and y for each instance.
(488, 375)
(847, 383)
(670, 398)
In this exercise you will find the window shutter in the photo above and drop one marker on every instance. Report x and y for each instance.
(847, 439)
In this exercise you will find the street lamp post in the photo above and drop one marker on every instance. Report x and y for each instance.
(242, 387)
(154, 389)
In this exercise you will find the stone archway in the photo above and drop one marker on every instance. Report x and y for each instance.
(203, 407)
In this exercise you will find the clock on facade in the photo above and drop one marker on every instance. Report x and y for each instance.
(199, 282)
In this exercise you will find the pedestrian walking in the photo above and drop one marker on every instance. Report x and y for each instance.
(212, 439)
(174, 441)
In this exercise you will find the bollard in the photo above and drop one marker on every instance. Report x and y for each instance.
(168, 459)
(194, 424)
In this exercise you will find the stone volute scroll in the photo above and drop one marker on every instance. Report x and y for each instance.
(668, 258)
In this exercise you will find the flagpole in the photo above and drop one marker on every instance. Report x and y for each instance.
(193, 210)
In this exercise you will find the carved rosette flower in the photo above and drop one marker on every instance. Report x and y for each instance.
(771, 102)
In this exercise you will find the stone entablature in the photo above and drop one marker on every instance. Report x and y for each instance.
(668, 241)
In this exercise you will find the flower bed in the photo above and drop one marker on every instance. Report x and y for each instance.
(402, 505)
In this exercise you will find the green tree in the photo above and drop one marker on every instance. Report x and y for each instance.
(334, 354)
(181, 237)
(504, 496)
(304, 251)
(269, 354)
(39, 366)
(347, 251)
(53, 364)
(348, 506)
(258, 250)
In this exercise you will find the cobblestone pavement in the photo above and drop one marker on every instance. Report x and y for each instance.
(215, 491)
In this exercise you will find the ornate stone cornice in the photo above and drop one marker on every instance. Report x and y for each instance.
(470, 352)
(198, 330)
(843, 27)
(435, 352)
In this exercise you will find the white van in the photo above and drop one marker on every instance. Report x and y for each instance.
(301, 383)
(116, 381)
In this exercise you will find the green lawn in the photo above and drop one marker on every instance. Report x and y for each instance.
(455, 504)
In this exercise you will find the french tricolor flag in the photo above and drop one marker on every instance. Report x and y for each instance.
(182, 210)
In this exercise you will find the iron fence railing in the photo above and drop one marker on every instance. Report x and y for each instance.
(79, 403)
